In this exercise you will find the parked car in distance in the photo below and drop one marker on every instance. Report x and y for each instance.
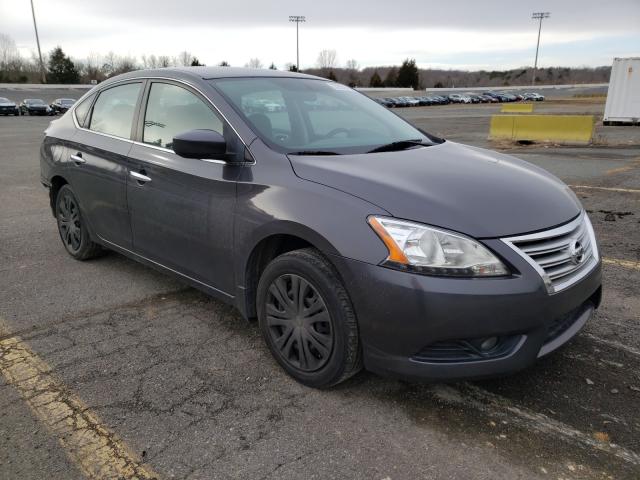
(301, 218)
(488, 98)
(7, 107)
(508, 97)
(61, 105)
(34, 106)
(441, 99)
(459, 98)
(475, 98)
(533, 96)
(411, 101)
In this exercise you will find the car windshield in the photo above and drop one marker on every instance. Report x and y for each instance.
(4, 100)
(34, 101)
(294, 115)
(67, 101)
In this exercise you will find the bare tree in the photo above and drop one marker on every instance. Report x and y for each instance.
(8, 50)
(254, 63)
(352, 65)
(327, 59)
(184, 59)
(164, 61)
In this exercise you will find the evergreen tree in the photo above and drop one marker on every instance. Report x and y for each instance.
(332, 76)
(61, 69)
(408, 75)
(391, 80)
(196, 63)
(272, 66)
(376, 81)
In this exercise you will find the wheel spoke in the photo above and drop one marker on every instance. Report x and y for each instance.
(322, 349)
(321, 339)
(303, 350)
(277, 321)
(285, 342)
(274, 312)
(316, 306)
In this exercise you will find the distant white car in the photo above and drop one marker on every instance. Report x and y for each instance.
(533, 96)
(412, 101)
(459, 98)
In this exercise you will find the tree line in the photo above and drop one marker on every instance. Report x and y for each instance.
(60, 68)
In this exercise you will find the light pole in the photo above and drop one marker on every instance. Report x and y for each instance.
(538, 16)
(35, 26)
(297, 19)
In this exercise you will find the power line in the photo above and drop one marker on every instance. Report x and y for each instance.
(297, 19)
(538, 16)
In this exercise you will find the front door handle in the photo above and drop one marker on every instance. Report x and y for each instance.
(140, 177)
(77, 159)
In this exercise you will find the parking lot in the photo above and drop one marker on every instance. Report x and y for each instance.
(177, 385)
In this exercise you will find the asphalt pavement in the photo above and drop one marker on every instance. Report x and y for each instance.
(177, 385)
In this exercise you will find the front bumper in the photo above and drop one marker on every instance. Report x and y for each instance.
(401, 314)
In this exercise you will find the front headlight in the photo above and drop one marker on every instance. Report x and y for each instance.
(433, 251)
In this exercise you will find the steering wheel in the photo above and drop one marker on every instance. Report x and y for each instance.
(280, 135)
(337, 131)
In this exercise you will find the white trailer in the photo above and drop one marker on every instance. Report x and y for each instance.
(623, 98)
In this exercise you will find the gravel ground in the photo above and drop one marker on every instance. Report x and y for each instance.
(194, 393)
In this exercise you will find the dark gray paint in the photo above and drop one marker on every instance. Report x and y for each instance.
(203, 221)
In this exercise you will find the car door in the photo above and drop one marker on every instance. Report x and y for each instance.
(98, 161)
(182, 209)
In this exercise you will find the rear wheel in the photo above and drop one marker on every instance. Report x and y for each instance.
(73, 230)
(307, 319)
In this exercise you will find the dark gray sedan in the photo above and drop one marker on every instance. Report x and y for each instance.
(353, 238)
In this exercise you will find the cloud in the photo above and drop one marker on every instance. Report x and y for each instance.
(435, 33)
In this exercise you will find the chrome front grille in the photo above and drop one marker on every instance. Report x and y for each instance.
(562, 255)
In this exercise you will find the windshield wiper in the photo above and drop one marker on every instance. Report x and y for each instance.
(314, 152)
(399, 145)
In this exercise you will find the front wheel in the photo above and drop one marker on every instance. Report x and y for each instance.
(73, 230)
(307, 319)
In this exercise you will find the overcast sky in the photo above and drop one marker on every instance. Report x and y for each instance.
(466, 34)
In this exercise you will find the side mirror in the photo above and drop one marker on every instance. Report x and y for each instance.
(202, 144)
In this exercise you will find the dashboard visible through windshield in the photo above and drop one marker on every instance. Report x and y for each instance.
(312, 116)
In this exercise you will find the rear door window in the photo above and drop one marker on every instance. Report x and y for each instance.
(114, 110)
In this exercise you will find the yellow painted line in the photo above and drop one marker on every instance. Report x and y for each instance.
(622, 263)
(96, 450)
(606, 189)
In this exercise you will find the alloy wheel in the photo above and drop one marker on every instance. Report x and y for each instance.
(299, 323)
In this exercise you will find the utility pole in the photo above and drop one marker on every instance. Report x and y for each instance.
(538, 16)
(297, 19)
(43, 78)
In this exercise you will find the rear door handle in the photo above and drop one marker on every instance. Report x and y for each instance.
(140, 177)
(77, 159)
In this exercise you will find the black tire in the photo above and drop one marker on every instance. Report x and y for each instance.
(73, 231)
(318, 353)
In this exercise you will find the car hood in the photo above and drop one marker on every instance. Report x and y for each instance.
(467, 189)
(7, 104)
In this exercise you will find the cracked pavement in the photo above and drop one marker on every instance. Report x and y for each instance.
(193, 392)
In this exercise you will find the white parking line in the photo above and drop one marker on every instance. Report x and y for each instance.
(613, 344)
(497, 406)
(607, 189)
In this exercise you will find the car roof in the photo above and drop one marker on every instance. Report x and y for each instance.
(210, 73)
